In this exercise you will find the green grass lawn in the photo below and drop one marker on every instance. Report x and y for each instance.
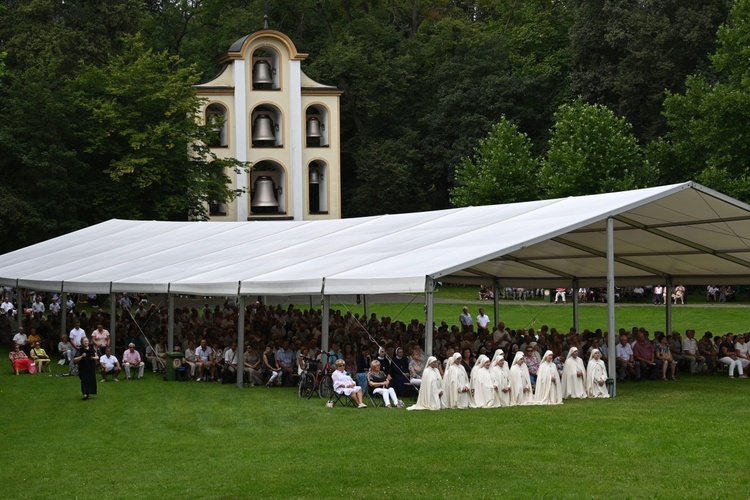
(150, 438)
(717, 318)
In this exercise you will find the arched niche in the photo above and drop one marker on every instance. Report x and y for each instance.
(266, 126)
(268, 187)
(317, 175)
(317, 130)
(217, 119)
(265, 72)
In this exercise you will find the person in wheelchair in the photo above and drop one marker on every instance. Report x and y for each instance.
(344, 384)
(380, 384)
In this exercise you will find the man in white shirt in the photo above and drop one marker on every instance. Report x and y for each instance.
(691, 353)
(205, 356)
(7, 306)
(110, 365)
(21, 339)
(482, 321)
(76, 335)
(624, 358)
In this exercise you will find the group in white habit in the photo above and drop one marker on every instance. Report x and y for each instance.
(493, 384)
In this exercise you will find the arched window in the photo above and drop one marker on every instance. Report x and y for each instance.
(266, 125)
(216, 118)
(317, 171)
(266, 69)
(267, 188)
(316, 126)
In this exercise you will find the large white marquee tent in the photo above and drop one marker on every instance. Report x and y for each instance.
(682, 233)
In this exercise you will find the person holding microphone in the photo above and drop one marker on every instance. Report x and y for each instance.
(87, 361)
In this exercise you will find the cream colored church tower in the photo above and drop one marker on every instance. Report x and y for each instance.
(269, 113)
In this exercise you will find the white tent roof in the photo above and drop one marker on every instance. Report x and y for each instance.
(685, 231)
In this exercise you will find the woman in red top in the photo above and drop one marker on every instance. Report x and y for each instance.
(19, 359)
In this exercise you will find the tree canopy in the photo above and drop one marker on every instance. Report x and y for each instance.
(437, 93)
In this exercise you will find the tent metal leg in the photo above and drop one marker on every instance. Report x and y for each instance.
(324, 334)
(611, 343)
(576, 321)
(241, 341)
(668, 304)
(429, 313)
(496, 299)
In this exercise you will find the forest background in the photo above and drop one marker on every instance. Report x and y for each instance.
(446, 102)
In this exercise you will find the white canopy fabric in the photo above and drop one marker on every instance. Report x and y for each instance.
(684, 231)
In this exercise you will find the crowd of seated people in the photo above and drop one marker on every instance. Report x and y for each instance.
(277, 335)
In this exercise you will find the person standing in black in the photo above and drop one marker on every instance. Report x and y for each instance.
(87, 361)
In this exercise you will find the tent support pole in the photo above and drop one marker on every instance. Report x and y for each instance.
(496, 299)
(429, 313)
(366, 307)
(576, 317)
(240, 341)
(668, 304)
(170, 322)
(113, 320)
(63, 313)
(326, 320)
(611, 343)
(19, 308)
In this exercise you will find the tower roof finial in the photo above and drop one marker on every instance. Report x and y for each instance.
(266, 24)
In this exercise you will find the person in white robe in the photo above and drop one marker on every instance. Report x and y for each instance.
(596, 376)
(501, 373)
(574, 376)
(548, 385)
(456, 384)
(482, 384)
(520, 382)
(431, 391)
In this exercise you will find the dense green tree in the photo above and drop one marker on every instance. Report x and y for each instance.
(141, 119)
(592, 151)
(45, 189)
(512, 63)
(502, 170)
(624, 54)
(709, 137)
(424, 82)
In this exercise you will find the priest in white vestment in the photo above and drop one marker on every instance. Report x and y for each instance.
(501, 373)
(520, 382)
(548, 389)
(574, 376)
(456, 384)
(431, 391)
(482, 384)
(596, 376)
